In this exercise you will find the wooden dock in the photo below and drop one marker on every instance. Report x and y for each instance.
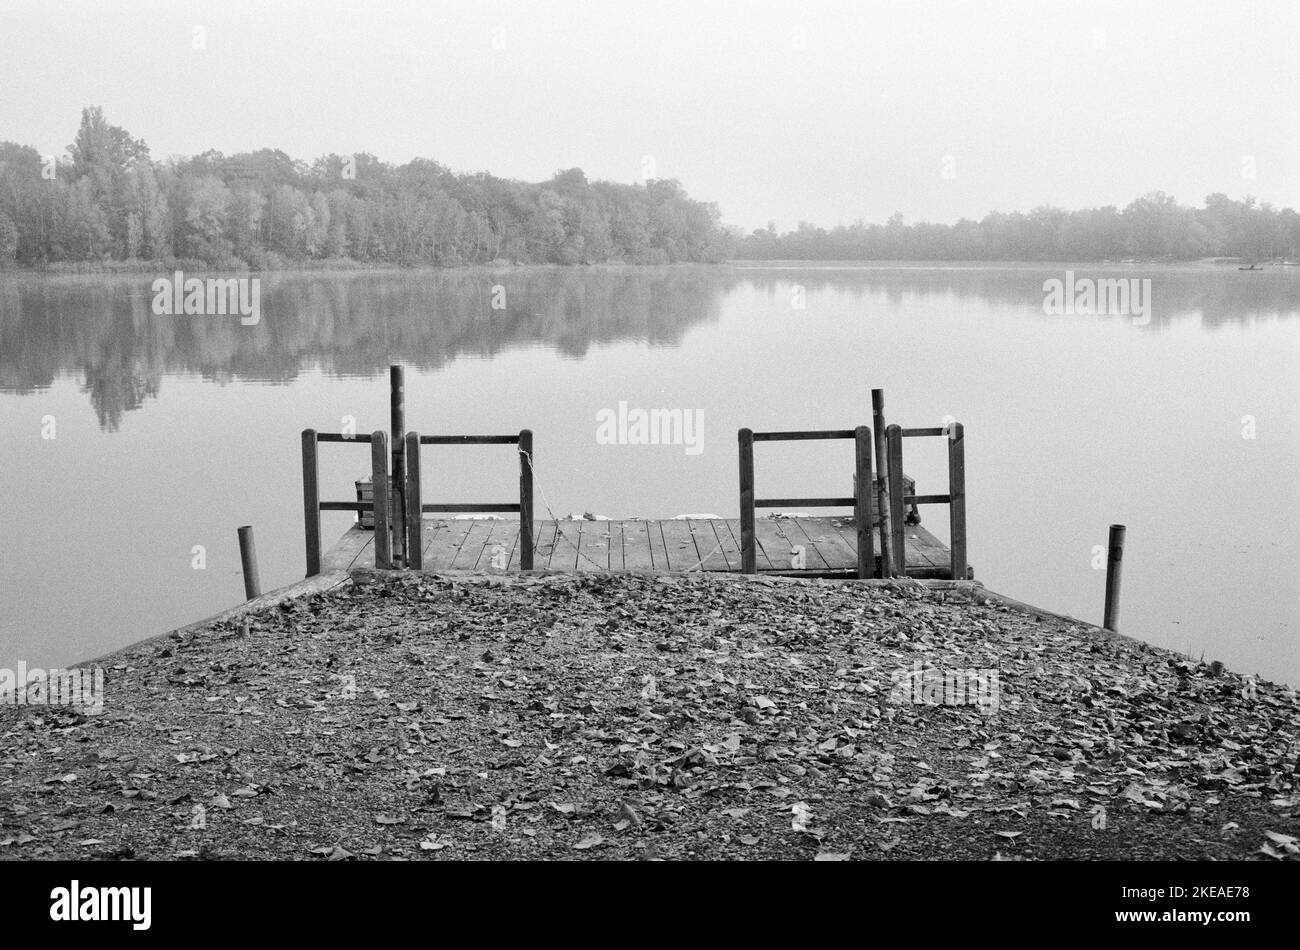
(881, 537)
(829, 546)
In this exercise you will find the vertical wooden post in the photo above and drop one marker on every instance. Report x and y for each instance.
(248, 561)
(414, 512)
(379, 478)
(397, 431)
(957, 498)
(748, 552)
(311, 501)
(862, 503)
(1114, 570)
(526, 499)
(898, 545)
(882, 477)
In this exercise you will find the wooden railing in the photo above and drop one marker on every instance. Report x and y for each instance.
(313, 506)
(415, 508)
(955, 499)
(861, 502)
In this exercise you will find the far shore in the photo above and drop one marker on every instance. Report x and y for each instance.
(347, 265)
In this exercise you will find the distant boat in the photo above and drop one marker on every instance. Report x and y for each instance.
(1251, 267)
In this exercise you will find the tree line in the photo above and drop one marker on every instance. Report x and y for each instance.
(108, 200)
(1154, 227)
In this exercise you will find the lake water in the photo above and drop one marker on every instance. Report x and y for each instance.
(170, 432)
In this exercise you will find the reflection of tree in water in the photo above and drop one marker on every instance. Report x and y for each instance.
(1220, 295)
(113, 394)
(352, 324)
(357, 323)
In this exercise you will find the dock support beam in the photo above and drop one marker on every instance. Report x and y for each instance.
(862, 503)
(882, 495)
(379, 481)
(748, 553)
(1114, 570)
(248, 562)
(526, 500)
(311, 501)
(397, 427)
(414, 510)
(898, 546)
(957, 498)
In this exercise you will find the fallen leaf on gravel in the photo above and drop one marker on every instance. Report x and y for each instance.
(629, 814)
(1286, 841)
(336, 853)
(802, 815)
(766, 694)
(589, 841)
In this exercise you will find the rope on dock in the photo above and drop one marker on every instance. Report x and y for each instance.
(560, 533)
(549, 510)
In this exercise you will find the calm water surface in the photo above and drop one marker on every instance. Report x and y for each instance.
(172, 431)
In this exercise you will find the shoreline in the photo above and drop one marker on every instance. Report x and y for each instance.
(349, 266)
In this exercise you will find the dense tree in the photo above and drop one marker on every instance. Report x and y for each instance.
(1154, 226)
(8, 239)
(109, 201)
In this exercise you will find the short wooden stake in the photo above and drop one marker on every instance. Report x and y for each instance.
(1114, 570)
(248, 561)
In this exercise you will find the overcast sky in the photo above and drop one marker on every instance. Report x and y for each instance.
(824, 111)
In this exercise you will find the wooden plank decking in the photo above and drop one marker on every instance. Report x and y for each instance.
(713, 544)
